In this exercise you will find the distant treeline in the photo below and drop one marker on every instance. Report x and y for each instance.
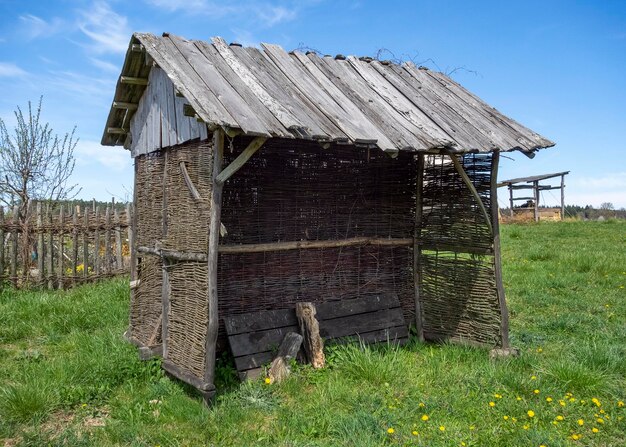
(606, 210)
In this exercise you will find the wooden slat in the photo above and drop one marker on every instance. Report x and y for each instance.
(371, 104)
(342, 308)
(329, 100)
(442, 114)
(398, 334)
(436, 136)
(246, 118)
(364, 322)
(280, 87)
(244, 77)
(259, 321)
(250, 342)
(187, 81)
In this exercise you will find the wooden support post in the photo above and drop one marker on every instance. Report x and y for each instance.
(212, 255)
(107, 240)
(61, 247)
(279, 370)
(86, 243)
(511, 200)
(119, 262)
(497, 261)
(75, 245)
(536, 195)
(40, 244)
(50, 254)
(1, 247)
(96, 248)
(419, 318)
(165, 309)
(238, 162)
(130, 220)
(470, 186)
(310, 329)
(562, 196)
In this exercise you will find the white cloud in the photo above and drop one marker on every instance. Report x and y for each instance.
(34, 27)
(265, 14)
(104, 65)
(10, 70)
(107, 30)
(92, 152)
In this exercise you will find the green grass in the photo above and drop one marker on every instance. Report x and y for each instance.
(68, 378)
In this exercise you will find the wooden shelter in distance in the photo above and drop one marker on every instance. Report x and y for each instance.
(532, 183)
(265, 178)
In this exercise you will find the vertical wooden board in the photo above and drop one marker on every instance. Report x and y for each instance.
(107, 240)
(61, 250)
(1, 247)
(86, 243)
(119, 264)
(417, 275)
(75, 244)
(50, 254)
(96, 240)
(130, 219)
(40, 243)
(14, 245)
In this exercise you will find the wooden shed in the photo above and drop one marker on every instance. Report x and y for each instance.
(265, 178)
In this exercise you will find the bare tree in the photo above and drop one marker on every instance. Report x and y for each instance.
(35, 163)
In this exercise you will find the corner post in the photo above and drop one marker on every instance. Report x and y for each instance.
(536, 194)
(212, 255)
(419, 183)
(497, 260)
(562, 196)
(511, 200)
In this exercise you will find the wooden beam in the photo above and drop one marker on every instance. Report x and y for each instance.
(133, 81)
(213, 244)
(497, 261)
(417, 251)
(238, 162)
(296, 245)
(117, 131)
(174, 255)
(124, 105)
(470, 186)
(192, 188)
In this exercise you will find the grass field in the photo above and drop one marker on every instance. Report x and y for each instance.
(67, 378)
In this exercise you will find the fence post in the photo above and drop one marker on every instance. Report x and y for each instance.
(1, 247)
(86, 244)
(61, 250)
(50, 257)
(131, 239)
(119, 265)
(107, 241)
(75, 244)
(16, 212)
(96, 251)
(40, 244)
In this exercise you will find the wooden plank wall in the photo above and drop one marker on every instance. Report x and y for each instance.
(59, 246)
(160, 120)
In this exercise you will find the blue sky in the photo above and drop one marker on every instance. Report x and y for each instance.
(559, 67)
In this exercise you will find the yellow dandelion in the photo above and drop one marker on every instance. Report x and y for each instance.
(596, 402)
(620, 404)
(525, 427)
(530, 413)
(539, 350)
(580, 422)
(555, 423)
(425, 417)
(497, 396)
(542, 445)
(268, 380)
(442, 428)
(463, 444)
(414, 433)
(559, 418)
(390, 430)
(536, 391)
(514, 419)
(472, 427)
(562, 403)
(421, 405)
(595, 430)
(533, 377)
(571, 399)
(600, 421)
(492, 404)
(575, 437)
(548, 399)
(506, 418)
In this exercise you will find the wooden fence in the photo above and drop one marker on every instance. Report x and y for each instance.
(59, 246)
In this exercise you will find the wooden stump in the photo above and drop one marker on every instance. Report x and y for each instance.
(310, 329)
(290, 346)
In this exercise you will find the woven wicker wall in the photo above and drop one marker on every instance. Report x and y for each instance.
(294, 190)
(457, 280)
(145, 305)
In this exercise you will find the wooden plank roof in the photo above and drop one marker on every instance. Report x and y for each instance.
(533, 178)
(269, 92)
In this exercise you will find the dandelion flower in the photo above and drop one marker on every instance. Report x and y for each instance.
(559, 418)
(497, 396)
(539, 350)
(492, 404)
(421, 405)
(530, 413)
(571, 399)
(548, 399)
(390, 430)
(536, 391)
(506, 418)
(575, 437)
(514, 419)
(600, 421)
(463, 444)
(595, 430)
(580, 422)
(525, 427)
(442, 428)
(518, 398)
(472, 427)
(425, 417)
(533, 377)
(620, 404)
(268, 380)
(414, 433)
(562, 403)
(596, 402)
